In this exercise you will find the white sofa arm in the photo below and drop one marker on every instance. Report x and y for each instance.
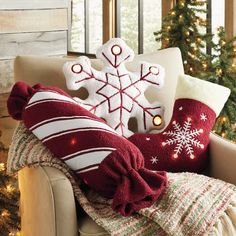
(223, 159)
(47, 203)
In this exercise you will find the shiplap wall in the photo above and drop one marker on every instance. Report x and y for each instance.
(31, 27)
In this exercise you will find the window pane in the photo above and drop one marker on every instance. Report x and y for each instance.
(129, 23)
(95, 25)
(152, 13)
(218, 14)
(77, 28)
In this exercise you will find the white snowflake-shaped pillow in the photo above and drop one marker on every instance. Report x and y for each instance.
(115, 93)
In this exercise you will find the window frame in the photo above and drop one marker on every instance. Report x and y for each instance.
(111, 26)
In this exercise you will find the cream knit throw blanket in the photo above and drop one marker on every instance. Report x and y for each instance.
(191, 205)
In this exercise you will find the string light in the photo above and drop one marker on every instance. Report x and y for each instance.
(73, 141)
(10, 188)
(168, 27)
(224, 119)
(223, 134)
(204, 66)
(157, 120)
(14, 234)
(5, 213)
(2, 166)
(191, 69)
(173, 13)
(192, 156)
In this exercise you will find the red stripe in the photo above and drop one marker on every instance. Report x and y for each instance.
(58, 119)
(78, 141)
(65, 132)
(48, 110)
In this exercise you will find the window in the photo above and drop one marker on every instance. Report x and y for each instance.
(217, 14)
(135, 22)
(86, 26)
(94, 22)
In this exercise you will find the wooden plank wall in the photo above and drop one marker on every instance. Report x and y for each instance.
(28, 27)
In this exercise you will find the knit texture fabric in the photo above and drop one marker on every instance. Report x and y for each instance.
(107, 162)
(191, 205)
(183, 145)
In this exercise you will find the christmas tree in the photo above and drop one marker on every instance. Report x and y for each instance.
(185, 27)
(222, 70)
(9, 195)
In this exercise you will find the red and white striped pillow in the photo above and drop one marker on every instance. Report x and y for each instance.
(106, 161)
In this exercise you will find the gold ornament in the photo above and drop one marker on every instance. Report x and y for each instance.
(223, 42)
(199, 40)
(219, 71)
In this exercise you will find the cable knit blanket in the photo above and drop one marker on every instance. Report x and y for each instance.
(191, 205)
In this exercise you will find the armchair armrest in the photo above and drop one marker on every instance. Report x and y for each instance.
(223, 159)
(47, 203)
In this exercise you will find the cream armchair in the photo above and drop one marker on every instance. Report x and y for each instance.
(47, 203)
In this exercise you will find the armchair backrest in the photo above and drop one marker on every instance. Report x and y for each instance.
(48, 71)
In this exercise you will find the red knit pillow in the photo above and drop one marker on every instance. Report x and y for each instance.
(183, 145)
(106, 161)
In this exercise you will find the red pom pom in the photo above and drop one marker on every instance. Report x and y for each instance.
(20, 94)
